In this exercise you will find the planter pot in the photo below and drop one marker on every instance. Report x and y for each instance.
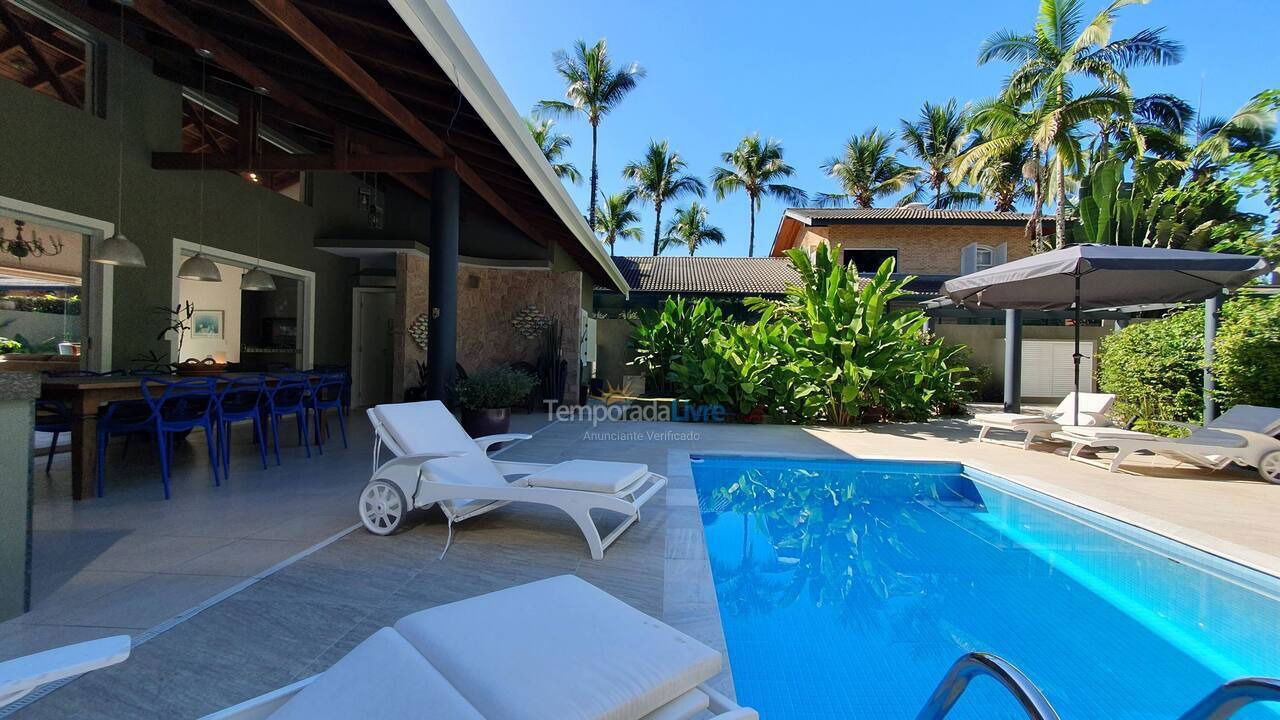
(69, 348)
(490, 421)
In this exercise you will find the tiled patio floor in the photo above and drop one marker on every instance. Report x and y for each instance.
(302, 618)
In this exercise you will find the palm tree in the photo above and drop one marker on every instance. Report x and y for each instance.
(1006, 177)
(1002, 127)
(553, 146)
(867, 170)
(594, 88)
(1060, 47)
(753, 166)
(1218, 138)
(618, 220)
(689, 228)
(658, 178)
(936, 139)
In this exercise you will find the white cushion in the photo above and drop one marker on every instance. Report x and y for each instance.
(1089, 403)
(382, 677)
(1010, 419)
(1099, 433)
(558, 648)
(590, 475)
(424, 427)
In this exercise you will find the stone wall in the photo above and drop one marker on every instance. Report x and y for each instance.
(488, 300)
(922, 249)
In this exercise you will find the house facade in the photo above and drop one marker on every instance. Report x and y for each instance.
(921, 240)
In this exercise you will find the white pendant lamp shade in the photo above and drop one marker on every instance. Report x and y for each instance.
(118, 250)
(257, 279)
(198, 267)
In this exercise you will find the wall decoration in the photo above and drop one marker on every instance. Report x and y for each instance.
(530, 321)
(418, 331)
(206, 324)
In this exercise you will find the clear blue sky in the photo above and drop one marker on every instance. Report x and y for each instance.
(811, 73)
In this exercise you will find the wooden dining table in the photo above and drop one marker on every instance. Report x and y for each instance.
(83, 396)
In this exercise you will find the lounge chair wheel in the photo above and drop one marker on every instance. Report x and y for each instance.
(382, 507)
(1269, 466)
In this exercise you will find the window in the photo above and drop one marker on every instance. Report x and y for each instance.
(210, 126)
(868, 260)
(985, 257)
(46, 54)
(40, 279)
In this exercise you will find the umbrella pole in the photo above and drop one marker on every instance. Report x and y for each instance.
(1075, 358)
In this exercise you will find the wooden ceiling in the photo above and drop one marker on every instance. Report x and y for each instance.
(345, 78)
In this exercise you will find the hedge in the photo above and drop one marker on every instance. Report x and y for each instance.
(44, 304)
(1155, 368)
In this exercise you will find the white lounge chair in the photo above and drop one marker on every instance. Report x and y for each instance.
(438, 463)
(1093, 412)
(20, 676)
(557, 649)
(1244, 435)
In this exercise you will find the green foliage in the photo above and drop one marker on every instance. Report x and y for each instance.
(1156, 368)
(1153, 210)
(45, 304)
(496, 388)
(832, 351)
(676, 331)
(1246, 362)
(9, 346)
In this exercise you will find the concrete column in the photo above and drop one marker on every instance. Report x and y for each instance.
(1013, 361)
(17, 390)
(1211, 307)
(442, 285)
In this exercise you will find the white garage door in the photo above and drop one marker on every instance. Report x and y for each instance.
(1047, 368)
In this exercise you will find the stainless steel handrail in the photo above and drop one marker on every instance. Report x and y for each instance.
(1228, 699)
(974, 664)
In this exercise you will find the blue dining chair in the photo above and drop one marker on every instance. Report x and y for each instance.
(290, 395)
(327, 394)
(52, 416)
(179, 406)
(240, 399)
(125, 417)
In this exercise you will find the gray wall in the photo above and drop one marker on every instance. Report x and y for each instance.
(61, 157)
(64, 158)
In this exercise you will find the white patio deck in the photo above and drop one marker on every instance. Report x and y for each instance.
(300, 619)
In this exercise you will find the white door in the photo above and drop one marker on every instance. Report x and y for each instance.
(1047, 370)
(371, 346)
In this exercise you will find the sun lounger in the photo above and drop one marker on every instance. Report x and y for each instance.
(1244, 435)
(556, 648)
(1093, 412)
(437, 463)
(20, 676)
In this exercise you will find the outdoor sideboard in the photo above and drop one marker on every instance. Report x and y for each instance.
(17, 390)
(83, 396)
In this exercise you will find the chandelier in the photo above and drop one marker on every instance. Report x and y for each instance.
(22, 247)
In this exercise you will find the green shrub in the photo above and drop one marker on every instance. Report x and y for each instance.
(45, 304)
(1155, 368)
(661, 337)
(496, 388)
(9, 346)
(832, 351)
(1246, 363)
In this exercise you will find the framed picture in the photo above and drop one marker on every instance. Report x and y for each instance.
(206, 324)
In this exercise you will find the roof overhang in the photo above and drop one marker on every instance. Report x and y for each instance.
(438, 29)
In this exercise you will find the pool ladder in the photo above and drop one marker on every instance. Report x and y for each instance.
(1220, 704)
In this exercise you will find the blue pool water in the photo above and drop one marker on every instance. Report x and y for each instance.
(847, 588)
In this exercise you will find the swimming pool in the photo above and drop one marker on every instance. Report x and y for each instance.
(847, 588)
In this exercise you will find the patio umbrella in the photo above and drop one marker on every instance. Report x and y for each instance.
(1089, 277)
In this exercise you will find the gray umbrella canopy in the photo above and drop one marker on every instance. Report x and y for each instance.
(1109, 275)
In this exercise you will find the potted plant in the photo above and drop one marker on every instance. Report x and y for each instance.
(418, 392)
(487, 396)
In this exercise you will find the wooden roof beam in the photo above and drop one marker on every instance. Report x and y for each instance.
(290, 19)
(275, 161)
